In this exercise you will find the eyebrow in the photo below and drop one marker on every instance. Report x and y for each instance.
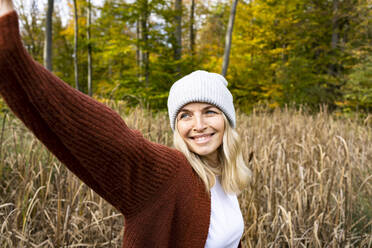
(207, 107)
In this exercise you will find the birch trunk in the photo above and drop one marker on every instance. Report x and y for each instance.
(76, 40)
(178, 30)
(49, 36)
(89, 21)
(145, 54)
(228, 38)
(192, 28)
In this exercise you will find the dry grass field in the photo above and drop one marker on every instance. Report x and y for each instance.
(311, 184)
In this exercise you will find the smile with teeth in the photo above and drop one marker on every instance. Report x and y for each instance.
(202, 138)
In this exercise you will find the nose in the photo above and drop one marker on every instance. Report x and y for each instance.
(199, 123)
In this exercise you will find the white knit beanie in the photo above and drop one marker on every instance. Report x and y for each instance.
(201, 86)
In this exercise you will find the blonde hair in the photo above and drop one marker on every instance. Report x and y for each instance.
(234, 173)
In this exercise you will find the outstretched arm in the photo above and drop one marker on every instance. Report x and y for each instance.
(88, 137)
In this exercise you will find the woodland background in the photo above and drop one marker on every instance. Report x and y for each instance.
(288, 52)
(301, 69)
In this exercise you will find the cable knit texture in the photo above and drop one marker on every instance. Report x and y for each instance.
(153, 186)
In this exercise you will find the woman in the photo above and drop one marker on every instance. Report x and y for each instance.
(169, 198)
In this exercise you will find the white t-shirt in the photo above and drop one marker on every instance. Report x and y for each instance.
(226, 223)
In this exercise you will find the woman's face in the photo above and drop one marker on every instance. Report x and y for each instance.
(201, 126)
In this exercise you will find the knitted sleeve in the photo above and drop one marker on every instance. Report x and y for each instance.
(89, 138)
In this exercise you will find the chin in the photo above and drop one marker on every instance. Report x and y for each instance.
(204, 153)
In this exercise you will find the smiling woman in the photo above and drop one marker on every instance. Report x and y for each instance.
(169, 198)
(202, 115)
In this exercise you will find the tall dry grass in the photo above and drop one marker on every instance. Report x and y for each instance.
(311, 185)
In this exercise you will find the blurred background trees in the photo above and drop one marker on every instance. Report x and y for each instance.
(288, 52)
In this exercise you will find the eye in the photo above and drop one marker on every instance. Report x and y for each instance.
(183, 115)
(211, 112)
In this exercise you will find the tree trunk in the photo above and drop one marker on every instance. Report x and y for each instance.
(192, 30)
(76, 45)
(332, 68)
(48, 36)
(334, 24)
(178, 30)
(89, 17)
(228, 39)
(138, 51)
(145, 54)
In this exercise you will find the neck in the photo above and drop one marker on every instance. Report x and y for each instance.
(213, 161)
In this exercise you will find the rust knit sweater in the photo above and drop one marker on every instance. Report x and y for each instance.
(153, 186)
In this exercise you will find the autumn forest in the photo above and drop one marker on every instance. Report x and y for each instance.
(291, 52)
